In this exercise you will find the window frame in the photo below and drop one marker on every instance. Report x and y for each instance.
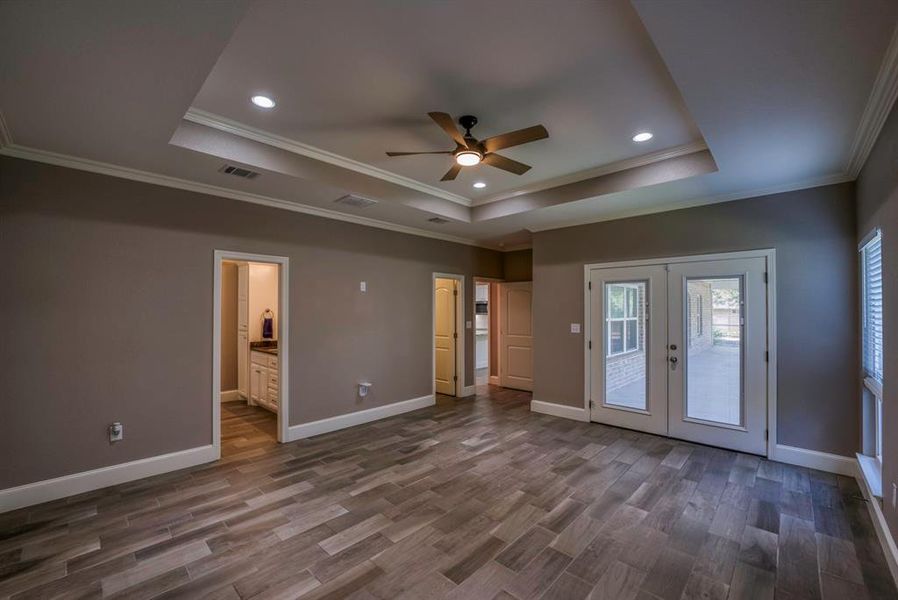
(872, 374)
(628, 321)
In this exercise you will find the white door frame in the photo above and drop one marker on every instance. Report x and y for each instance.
(460, 342)
(219, 256)
(489, 333)
(767, 253)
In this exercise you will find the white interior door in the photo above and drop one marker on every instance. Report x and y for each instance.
(516, 335)
(717, 353)
(680, 349)
(628, 357)
(445, 335)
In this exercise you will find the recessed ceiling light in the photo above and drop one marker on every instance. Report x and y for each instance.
(642, 137)
(480, 185)
(263, 101)
(468, 158)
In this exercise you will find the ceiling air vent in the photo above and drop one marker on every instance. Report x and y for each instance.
(439, 220)
(355, 201)
(239, 172)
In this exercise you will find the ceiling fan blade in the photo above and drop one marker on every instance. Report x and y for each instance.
(452, 173)
(506, 164)
(415, 153)
(445, 121)
(515, 138)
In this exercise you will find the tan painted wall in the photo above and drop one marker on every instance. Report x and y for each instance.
(228, 326)
(813, 232)
(263, 294)
(109, 282)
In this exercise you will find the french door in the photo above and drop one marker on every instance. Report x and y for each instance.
(679, 349)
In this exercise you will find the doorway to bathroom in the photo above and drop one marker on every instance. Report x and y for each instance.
(250, 349)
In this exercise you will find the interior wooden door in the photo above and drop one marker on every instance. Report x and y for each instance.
(516, 335)
(445, 335)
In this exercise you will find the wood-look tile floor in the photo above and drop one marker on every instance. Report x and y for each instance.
(246, 428)
(476, 498)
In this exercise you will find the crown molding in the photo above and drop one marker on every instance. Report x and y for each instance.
(805, 184)
(621, 165)
(879, 105)
(84, 164)
(214, 121)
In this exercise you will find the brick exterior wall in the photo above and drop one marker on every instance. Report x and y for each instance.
(623, 369)
(700, 334)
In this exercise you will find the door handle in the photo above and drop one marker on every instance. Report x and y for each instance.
(673, 362)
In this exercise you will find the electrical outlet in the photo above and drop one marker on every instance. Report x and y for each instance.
(363, 286)
(116, 432)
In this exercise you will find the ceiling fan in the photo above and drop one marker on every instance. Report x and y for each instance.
(469, 151)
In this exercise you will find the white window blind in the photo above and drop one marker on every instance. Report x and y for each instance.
(871, 258)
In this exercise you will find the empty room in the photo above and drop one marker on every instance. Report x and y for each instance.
(449, 299)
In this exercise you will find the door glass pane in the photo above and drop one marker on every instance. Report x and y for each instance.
(625, 358)
(616, 341)
(714, 352)
(632, 332)
(616, 301)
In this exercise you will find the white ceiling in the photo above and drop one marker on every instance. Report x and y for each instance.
(776, 90)
(358, 78)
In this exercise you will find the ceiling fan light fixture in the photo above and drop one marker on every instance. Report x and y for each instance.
(263, 101)
(643, 136)
(468, 158)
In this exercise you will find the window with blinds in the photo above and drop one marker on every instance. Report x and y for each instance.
(871, 259)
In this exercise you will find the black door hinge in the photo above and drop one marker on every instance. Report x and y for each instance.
(590, 285)
(590, 344)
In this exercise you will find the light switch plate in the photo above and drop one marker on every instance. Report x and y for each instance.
(363, 286)
(468, 325)
(575, 327)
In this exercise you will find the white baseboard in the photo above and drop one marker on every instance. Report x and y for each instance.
(306, 430)
(78, 483)
(559, 410)
(231, 395)
(468, 390)
(882, 528)
(822, 461)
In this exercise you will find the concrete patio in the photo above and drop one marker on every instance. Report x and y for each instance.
(713, 385)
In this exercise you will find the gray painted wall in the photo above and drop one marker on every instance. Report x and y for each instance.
(877, 206)
(813, 232)
(106, 313)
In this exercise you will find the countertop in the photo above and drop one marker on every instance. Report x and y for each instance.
(266, 347)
